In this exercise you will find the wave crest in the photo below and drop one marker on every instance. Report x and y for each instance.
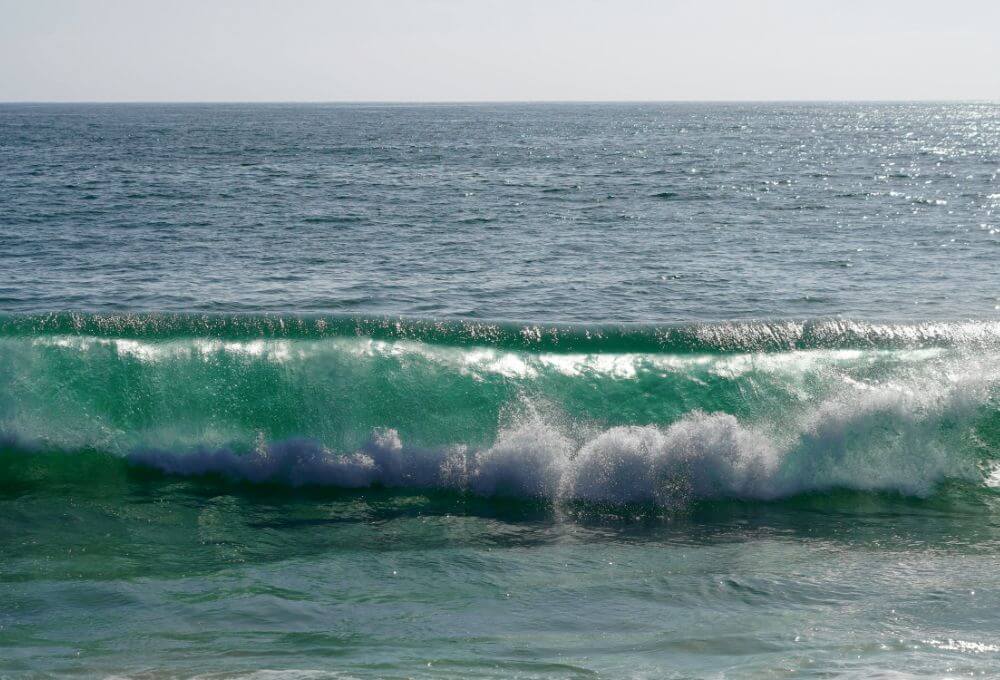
(750, 335)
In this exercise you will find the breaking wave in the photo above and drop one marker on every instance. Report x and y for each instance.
(892, 441)
(489, 418)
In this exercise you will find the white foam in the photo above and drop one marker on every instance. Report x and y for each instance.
(899, 437)
(156, 351)
(964, 646)
(701, 456)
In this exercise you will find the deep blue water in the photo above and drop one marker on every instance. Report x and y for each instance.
(645, 212)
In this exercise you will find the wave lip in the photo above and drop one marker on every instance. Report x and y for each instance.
(732, 336)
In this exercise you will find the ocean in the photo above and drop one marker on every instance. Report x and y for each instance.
(678, 390)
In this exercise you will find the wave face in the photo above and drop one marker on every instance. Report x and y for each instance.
(611, 414)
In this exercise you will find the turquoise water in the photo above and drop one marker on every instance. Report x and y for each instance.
(689, 391)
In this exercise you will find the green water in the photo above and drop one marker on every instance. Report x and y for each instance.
(166, 577)
(397, 505)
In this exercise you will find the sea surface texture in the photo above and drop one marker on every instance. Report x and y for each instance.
(553, 391)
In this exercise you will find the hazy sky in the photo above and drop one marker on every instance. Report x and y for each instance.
(437, 50)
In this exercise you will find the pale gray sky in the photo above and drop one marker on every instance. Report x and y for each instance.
(443, 50)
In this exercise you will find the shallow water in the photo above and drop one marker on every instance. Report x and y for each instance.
(689, 391)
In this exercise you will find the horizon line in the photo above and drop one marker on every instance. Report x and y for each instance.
(473, 102)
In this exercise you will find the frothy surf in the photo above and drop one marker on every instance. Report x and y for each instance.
(893, 440)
